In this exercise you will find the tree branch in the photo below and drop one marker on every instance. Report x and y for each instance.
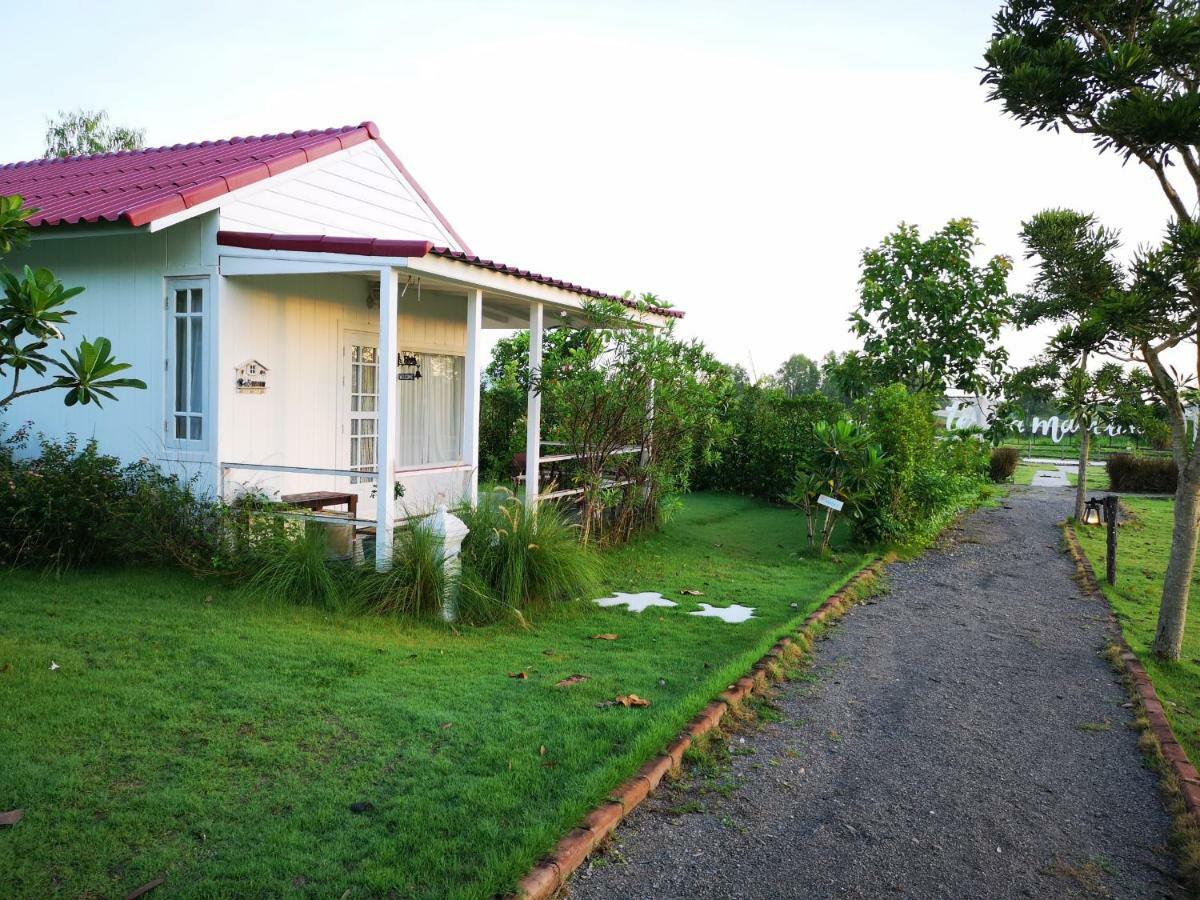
(1173, 197)
(14, 394)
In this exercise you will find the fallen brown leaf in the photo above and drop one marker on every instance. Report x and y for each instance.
(688, 592)
(570, 680)
(542, 750)
(517, 675)
(144, 889)
(604, 637)
(628, 700)
(12, 817)
(446, 725)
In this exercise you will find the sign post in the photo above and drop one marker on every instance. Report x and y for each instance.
(1112, 512)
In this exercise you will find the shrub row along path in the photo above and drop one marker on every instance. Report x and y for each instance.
(960, 736)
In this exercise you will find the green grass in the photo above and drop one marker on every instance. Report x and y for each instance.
(1102, 446)
(218, 739)
(1097, 477)
(1143, 544)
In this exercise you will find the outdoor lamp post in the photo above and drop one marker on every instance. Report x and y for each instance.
(1091, 511)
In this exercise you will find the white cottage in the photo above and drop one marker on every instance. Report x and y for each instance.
(315, 259)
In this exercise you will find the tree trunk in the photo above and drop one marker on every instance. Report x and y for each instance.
(1172, 611)
(1085, 445)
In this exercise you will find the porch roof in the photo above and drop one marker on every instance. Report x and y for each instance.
(401, 249)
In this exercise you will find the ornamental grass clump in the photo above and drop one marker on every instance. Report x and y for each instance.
(416, 583)
(292, 567)
(516, 560)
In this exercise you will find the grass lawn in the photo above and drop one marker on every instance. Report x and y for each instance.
(1143, 544)
(1097, 477)
(194, 733)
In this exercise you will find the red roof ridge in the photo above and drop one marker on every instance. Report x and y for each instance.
(370, 127)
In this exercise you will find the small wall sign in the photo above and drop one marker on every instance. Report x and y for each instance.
(251, 377)
(408, 366)
(835, 505)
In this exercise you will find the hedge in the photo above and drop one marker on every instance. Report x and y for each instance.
(1142, 474)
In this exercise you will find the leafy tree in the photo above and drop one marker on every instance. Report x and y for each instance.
(1076, 273)
(1128, 75)
(797, 376)
(82, 132)
(32, 313)
(928, 316)
(636, 387)
(845, 378)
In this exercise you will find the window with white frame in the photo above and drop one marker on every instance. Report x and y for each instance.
(429, 407)
(364, 415)
(187, 362)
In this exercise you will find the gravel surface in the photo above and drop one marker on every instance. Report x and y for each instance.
(958, 737)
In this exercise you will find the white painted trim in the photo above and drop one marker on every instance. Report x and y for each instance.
(83, 230)
(385, 460)
(471, 381)
(236, 261)
(240, 261)
(512, 287)
(173, 446)
(533, 426)
(272, 182)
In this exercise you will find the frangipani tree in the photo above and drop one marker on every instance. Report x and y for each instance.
(1128, 75)
(844, 466)
(1076, 273)
(33, 310)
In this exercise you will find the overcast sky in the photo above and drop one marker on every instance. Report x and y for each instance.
(733, 158)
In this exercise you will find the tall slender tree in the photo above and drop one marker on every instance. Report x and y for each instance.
(1076, 272)
(1127, 74)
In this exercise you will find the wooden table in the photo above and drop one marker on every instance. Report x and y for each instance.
(322, 499)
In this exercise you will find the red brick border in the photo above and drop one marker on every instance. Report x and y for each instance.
(549, 875)
(1142, 687)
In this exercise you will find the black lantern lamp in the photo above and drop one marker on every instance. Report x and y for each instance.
(1091, 511)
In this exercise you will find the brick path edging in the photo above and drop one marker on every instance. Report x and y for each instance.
(549, 875)
(1141, 685)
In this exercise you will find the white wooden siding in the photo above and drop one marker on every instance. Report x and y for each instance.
(356, 193)
(123, 277)
(294, 325)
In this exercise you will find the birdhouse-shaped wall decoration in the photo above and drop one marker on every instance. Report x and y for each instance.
(251, 377)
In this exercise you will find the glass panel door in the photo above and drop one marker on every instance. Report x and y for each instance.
(363, 385)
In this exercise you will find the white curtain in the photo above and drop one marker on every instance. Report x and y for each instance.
(430, 412)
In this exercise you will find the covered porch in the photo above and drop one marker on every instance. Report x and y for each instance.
(331, 414)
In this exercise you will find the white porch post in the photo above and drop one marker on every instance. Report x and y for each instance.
(385, 447)
(533, 427)
(471, 372)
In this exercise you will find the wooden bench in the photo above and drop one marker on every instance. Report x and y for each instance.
(317, 500)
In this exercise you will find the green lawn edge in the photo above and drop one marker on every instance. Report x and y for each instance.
(1143, 543)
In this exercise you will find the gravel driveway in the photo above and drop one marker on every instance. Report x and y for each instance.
(960, 737)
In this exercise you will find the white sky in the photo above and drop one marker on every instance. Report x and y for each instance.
(732, 158)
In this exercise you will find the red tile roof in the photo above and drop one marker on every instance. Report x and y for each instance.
(316, 243)
(140, 186)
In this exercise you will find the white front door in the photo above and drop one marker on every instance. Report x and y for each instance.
(360, 430)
